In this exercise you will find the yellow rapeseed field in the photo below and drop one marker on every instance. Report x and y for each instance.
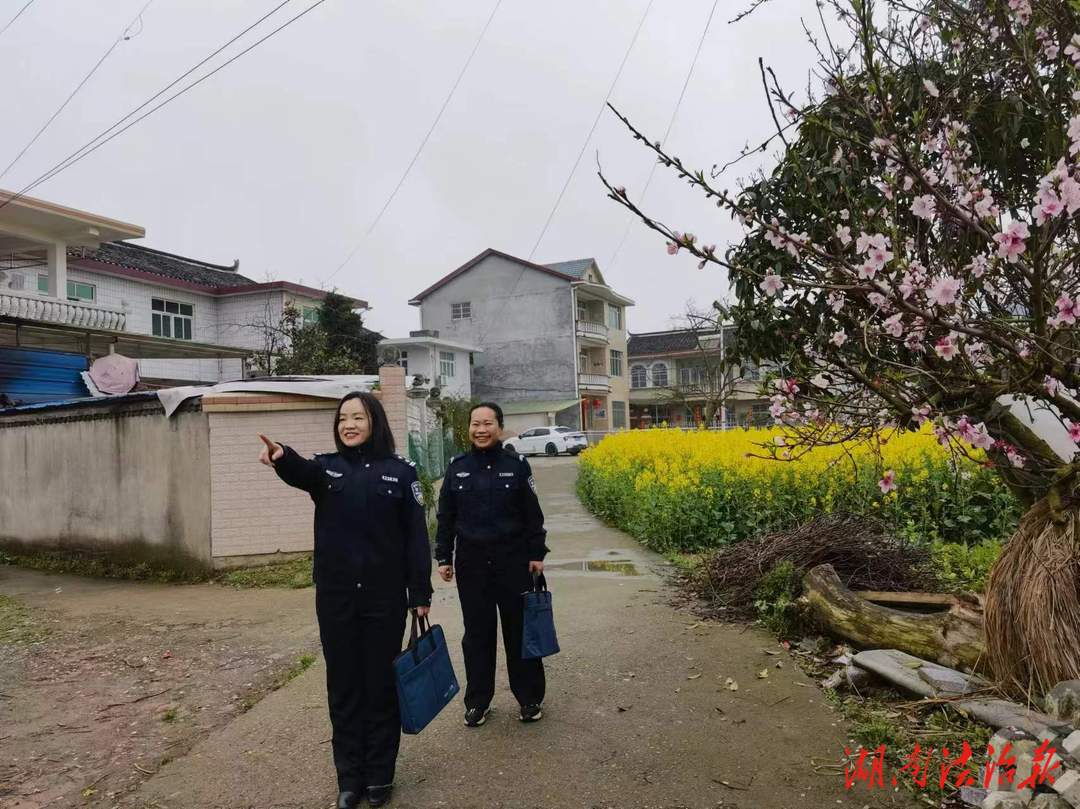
(687, 491)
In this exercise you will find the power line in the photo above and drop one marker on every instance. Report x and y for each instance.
(585, 145)
(12, 20)
(412, 162)
(71, 159)
(566, 185)
(77, 89)
(671, 123)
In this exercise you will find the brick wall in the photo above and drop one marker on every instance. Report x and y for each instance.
(252, 512)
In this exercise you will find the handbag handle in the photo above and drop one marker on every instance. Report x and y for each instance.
(539, 582)
(421, 623)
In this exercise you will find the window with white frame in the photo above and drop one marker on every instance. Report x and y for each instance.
(695, 376)
(751, 372)
(447, 364)
(639, 376)
(614, 317)
(660, 375)
(172, 319)
(582, 312)
(616, 362)
(309, 315)
(461, 311)
(618, 415)
(583, 363)
(76, 290)
(405, 361)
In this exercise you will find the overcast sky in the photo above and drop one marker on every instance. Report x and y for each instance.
(284, 158)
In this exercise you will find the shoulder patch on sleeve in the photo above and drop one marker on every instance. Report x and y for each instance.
(521, 457)
(417, 492)
(532, 484)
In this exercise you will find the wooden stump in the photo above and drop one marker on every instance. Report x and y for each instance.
(952, 637)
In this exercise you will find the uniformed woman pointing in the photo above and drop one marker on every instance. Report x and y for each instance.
(372, 560)
(491, 534)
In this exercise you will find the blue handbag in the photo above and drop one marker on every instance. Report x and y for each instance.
(425, 679)
(538, 635)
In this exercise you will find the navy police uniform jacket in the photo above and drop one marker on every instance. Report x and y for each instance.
(370, 531)
(488, 506)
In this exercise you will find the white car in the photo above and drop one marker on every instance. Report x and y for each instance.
(550, 441)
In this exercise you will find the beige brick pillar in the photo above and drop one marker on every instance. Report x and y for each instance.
(392, 382)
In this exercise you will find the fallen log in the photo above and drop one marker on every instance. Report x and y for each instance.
(952, 637)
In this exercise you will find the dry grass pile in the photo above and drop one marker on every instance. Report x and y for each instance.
(1032, 615)
(863, 554)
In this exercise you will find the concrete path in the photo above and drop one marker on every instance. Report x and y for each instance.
(637, 714)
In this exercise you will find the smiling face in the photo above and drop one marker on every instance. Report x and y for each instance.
(484, 429)
(354, 426)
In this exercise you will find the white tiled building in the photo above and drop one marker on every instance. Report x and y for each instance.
(170, 297)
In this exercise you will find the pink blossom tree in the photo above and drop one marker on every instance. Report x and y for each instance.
(912, 258)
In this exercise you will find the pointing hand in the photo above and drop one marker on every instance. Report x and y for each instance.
(270, 452)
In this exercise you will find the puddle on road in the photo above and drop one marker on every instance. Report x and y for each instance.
(620, 567)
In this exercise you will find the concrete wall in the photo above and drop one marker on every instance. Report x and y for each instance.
(527, 337)
(117, 478)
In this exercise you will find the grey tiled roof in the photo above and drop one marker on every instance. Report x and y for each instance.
(575, 269)
(144, 259)
(664, 342)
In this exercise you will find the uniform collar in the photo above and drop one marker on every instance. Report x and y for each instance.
(494, 449)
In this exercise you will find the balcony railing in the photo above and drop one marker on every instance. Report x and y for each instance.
(586, 328)
(69, 313)
(594, 381)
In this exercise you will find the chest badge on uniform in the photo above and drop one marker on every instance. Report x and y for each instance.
(389, 479)
(417, 493)
(532, 484)
(462, 474)
(333, 474)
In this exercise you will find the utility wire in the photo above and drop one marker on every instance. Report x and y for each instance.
(585, 145)
(566, 185)
(671, 123)
(74, 92)
(75, 156)
(412, 162)
(12, 20)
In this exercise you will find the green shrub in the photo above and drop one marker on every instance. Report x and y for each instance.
(965, 567)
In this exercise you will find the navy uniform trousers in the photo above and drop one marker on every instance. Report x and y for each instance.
(361, 634)
(487, 585)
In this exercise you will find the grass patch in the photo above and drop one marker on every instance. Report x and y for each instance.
(776, 601)
(103, 567)
(16, 627)
(303, 664)
(294, 575)
(170, 715)
(248, 705)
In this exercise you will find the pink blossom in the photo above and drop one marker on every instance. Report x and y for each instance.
(836, 301)
(839, 338)
(1074, 430)
(621, 190)
(879, 300)
(777, 409)
(843, 233)
(909, 181)
(980, 438)
(1072, 50)
(868, 270)
(923, 207)
(820, 381)
(673, 247)
(946, 348)
(931, 88)
(1011, 241)
(895, 325)
(976, 352)
(845, 214)
(1022, 11)
(887, 483)
(985, 207)
(772, 285)
(943, 291)
(924, 24)
(865, 242)
(779, 441)
(978, 266)
(921, 414)
(1049, 207)
(1052, 385)
(1025, 349)
(1016, 460)
(787, 387)
(1066, 309)
(1074, 134)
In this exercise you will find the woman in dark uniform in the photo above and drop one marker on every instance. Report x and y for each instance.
(488, 508)
(372, 560)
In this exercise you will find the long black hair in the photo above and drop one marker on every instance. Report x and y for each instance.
(381, 441)
(490, 406)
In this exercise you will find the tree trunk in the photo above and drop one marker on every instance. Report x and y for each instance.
(953, 637)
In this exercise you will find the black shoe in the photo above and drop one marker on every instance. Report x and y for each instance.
(531, 713)
(347, 800)
(475, 717)
(379, 796)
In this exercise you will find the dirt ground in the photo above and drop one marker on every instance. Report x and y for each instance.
(107, 680)
(638, 711)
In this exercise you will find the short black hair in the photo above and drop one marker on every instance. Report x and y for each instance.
(381, 441)
(490, 406)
